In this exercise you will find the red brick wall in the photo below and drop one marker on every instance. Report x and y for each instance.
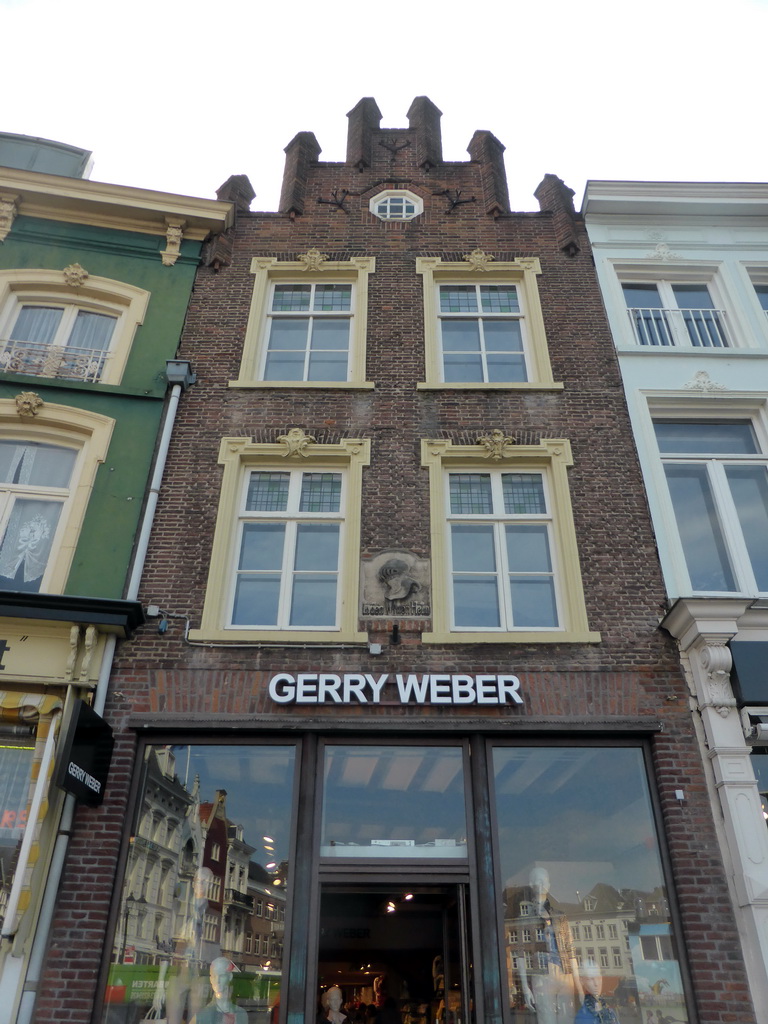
(633, 672)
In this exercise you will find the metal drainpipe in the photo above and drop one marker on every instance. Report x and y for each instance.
(56, 870)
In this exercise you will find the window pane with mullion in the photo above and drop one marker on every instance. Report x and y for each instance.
(37, 324)
(701, 534)
(749, 488)
(531, 577)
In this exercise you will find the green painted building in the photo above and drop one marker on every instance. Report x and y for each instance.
(94, 285)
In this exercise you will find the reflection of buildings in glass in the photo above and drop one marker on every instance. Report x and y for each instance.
(266, 926)
(238, 903)
(192, 891)
(157, 863)
(602, 926)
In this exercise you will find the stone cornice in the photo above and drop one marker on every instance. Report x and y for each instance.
(675, 198)
(78, 201)
(714, 619)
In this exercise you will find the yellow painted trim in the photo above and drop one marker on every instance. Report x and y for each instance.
(522, 386)
(523, 272)
(551, 456)
(100, 294)
(366, 385)
(238, 455)
(78, 201)
(268, 269)
(90, 433)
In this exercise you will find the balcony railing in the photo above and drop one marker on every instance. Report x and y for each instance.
(240, 899)
(679, 328)
(63, 361)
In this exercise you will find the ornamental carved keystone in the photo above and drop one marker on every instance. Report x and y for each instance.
(173, 236)
(662, 253)
(701, 382)
(296, 442)
(9, 207)
(75, 275)
(28, 403)
(496, 444)
(716, 661)
(313, 260)
(479, 260)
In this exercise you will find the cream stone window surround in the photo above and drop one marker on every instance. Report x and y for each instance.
(88, 433)
(240, 455)
(521, 272)
(313, 268)
(95, 294)
(551, 457)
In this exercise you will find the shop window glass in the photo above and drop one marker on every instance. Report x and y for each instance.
(394, 802)
(15, 769)
(577, 841)
(175, 946)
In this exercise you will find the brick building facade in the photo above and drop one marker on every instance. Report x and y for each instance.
(405, 635)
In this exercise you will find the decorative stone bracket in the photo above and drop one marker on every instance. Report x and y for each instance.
(173, 237)
(716, 661)
(81, 641)
(9, 208)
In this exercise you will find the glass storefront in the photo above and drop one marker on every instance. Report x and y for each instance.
(585, 908)
(411, 863)
(15, 772)
(202, 913)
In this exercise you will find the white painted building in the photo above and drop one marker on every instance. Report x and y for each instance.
(683, 269)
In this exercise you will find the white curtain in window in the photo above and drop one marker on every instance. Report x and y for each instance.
(92, 330)
(37, 324)
(28, 538)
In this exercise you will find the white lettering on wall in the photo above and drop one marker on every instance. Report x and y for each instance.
(413, 688)
(82, 776)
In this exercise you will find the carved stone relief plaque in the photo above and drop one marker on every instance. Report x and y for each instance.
(396, 582)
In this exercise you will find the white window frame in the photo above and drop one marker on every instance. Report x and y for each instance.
(726, 410)
(58, 359)
(497, 520)
(481, 317)
(239, 456)
(311, 316)
(291, 519)
(126, 303)
(12, 493)
(268, 271)
(550, 457)
(89, 434)
(522, 273)
(666, 327)
(713, 276)
(388, 214)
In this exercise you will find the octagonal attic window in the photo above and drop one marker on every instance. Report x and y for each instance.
(396, 204)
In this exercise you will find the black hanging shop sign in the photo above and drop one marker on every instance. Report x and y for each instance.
(85, 755)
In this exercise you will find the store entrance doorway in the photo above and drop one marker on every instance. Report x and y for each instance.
(399, 953)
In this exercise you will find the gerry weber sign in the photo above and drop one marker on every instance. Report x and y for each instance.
(363, 688)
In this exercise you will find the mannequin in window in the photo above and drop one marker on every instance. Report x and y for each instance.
(221, 1009)
(594, 1009)
(332, 1012)
(550, 981)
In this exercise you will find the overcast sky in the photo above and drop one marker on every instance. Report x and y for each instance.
(176, 95)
